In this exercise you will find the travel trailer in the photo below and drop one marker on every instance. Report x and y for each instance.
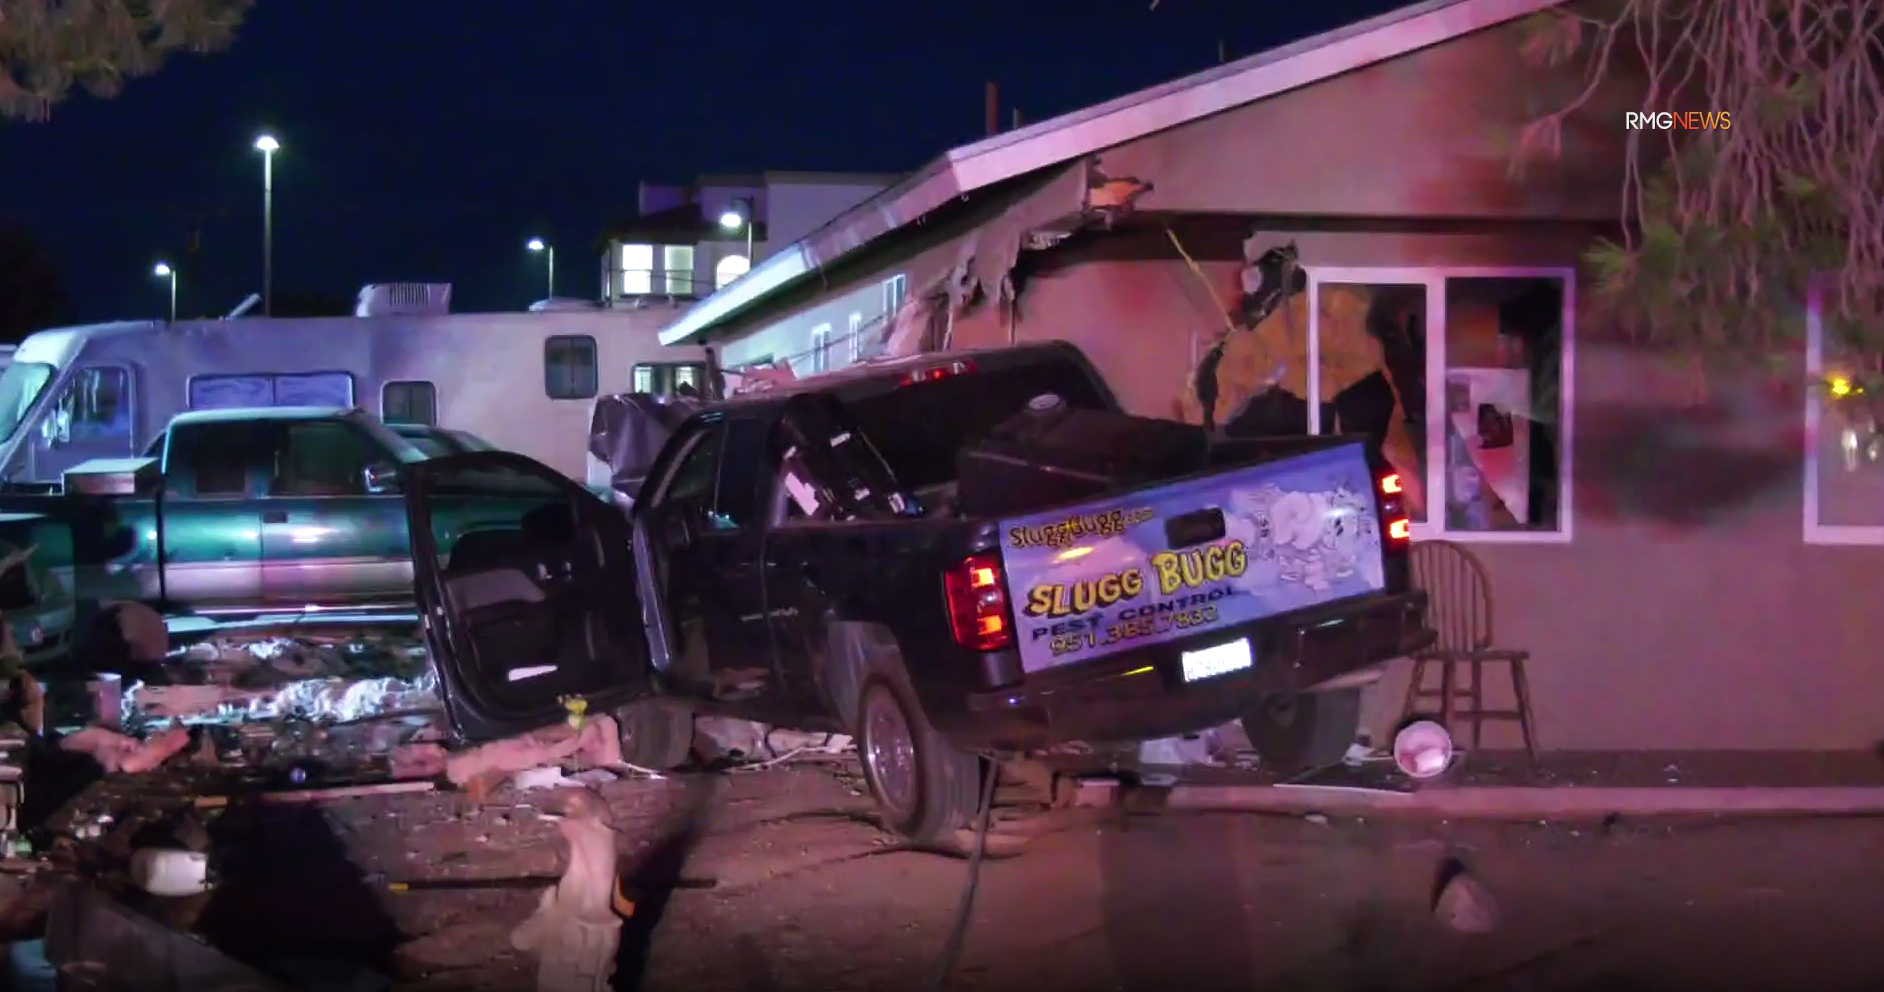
(522, 381)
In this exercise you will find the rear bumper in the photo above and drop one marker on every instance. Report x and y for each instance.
(1142, 695)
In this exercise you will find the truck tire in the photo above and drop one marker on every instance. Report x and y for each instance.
(1299, 732)
(925, 789)
(655, 734)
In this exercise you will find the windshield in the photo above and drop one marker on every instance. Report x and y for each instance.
(20, 385)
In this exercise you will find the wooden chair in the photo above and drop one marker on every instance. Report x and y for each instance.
(1460, 612)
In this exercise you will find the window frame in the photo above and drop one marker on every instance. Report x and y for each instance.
(127, 397)
(703, 432)
(1816, 532)
(1433, 279)
(820, 348)
(595, 374)
(189, 388)
(895, 291)
(284, 445)
(854, 338)
(386, 388)
(677, 281)
(645, 273)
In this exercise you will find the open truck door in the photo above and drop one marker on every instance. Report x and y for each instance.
(526, 585)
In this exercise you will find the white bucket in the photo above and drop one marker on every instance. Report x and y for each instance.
(1422, 749)
(170, 873)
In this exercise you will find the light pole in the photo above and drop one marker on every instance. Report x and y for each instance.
(733, 220)
(549, 253)
(268, 146)
(164, 271)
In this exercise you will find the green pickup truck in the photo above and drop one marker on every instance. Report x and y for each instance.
(245, 513)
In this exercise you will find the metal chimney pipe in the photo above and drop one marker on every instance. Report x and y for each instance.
(992, 96)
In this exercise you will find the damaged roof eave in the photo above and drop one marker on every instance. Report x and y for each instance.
(1083, 132)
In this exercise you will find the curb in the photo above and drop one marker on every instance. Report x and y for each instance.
(1518, 802)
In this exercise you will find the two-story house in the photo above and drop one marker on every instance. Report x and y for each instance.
(689, 241)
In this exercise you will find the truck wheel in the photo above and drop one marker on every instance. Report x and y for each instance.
(655, 734)
(1299, 732)
(925, 789)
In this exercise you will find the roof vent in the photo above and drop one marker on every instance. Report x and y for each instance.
(387, 299)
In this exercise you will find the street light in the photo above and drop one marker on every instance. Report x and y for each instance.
(164, 271)
(549, 253)
(268, 146)
(733, 220)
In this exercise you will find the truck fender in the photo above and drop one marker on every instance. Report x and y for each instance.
(852, 649)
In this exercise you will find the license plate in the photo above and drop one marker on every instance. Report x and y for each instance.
(1219, 660)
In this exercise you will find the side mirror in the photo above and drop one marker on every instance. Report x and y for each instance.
(380, 478)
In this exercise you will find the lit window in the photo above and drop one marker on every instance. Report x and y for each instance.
(637, 270)
(895, 288)
(820, 348)
(729, 268)
(677, 266)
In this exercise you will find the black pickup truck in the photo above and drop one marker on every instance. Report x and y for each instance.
(947, 556)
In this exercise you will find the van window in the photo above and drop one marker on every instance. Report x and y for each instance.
(569, 367)
(919, 429)
(224, 392)
(322, 458)
(414, 402)
(98, 401)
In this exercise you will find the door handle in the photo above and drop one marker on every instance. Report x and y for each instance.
(274, 516)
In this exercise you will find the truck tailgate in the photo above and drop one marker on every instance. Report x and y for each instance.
(1195, 555)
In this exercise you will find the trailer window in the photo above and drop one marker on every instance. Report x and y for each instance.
(224, 392)
(569, 367)
(414, 402)
(333, 389)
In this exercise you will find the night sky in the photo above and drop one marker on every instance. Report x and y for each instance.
(426, 140)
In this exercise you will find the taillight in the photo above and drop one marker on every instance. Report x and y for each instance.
(1399, 528)
(934, 372)
(977, 600)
